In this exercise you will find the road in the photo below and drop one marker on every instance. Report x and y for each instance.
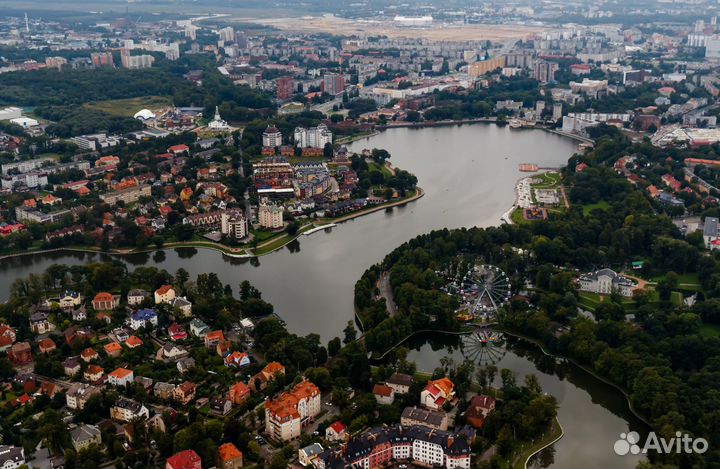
(383, 285)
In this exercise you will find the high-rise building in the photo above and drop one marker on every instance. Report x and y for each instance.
(56, 62)
(136, 61)
(313, 137)
(545, 71)
(285, 88)
(270, 216)
(557, 111)
(233, 224)
(227, 34)
(333, 83)
(272, 137)
(102, 59)
(190, 32)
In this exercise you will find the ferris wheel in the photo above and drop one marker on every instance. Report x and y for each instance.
(483, 346)
(489, 287)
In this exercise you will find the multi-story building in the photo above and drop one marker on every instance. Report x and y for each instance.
(78, 394)
(545, 71)
(286, 415)
(121, 377)
(30, 180)
(605, 282)
(233, 224)
(11, 457)
(313, 137)
(272, 137)
(333, 84)
(143, 318)
(136, 61)
(436, 419)
(420, 445)
(126, 410)
(94, 142)
(270, 216)
(128, 196)
(285, 89)
(102, 59)
(436, 393)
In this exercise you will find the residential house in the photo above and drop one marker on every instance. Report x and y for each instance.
(212, 338)
(136, 297)
(71, 366)
(143, 318)
(70, 299)
(78, 394)
(121, 377)
(337, 431)
(220, 405)
(307, 455)
(185, 392)
(113, 349)
(105, 301)
(133, 342)
(46, 345)
(94, 374)
(185, 364)
(40, 323)
(400, 383)
(436, 419)
(238, 393)
(7, 337)
(271, 371)
(89, 355)
(237, 359)
(171, 351)
(187, 459)
(79, 314)
(164, 294)
(183, 305)
(126, 410)
(84, 436)
(20, 354)
(11, 457)
(177, 332)
(163, 391)
(229, 457)
(198, 328)
(437, 393)
(384, 394)
(478, 410)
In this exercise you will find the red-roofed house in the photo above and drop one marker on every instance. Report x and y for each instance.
(113, 349)
(187, 459)
(133, 341)
(581, 167)
(177, 149)
(384, 394)
(478, 410)
(105, 301)
(46, 345)
(164, 294)
(238, 393)
(212, 338)
(177, 332)
(336, 432)
(121, 377)
(237, 359)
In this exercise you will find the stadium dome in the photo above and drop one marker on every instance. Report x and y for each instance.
(145, 114)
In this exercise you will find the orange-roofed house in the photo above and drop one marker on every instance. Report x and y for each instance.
(187, 459)
(94, 374)
(51, 200)
(437, 393)
(164, 294)
(105, 301)
(113, 349)
(213, 338)
(186, 194)
(271, 371)
(134, 341)
(286, 415)
(238, 393)
(384, 394)
(89, 355)
(46, 345)
(229, 457)
(184, 393)
(177, 149)
(121, 377)
(29, 203)
(237, 359)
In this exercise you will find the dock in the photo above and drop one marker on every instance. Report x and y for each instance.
(318, 228)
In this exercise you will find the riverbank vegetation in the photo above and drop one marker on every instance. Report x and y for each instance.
(662, 354)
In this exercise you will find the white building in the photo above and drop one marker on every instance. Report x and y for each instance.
(217, 123)
(10, 113)
(272, 137)
(11, 457)
(605, 282)
(313, 137)
(270, 216)
(126, 410)
(233, 224)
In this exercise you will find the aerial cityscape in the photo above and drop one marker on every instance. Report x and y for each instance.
(375, 234)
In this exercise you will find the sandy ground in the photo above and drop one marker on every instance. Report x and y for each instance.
(438, 32)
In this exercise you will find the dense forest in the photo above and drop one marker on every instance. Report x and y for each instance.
(666, 355)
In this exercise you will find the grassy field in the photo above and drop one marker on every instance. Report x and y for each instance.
(589, 207)
(128, 107)
(547, 180)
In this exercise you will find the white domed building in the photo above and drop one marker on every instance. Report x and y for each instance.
(144, 115)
